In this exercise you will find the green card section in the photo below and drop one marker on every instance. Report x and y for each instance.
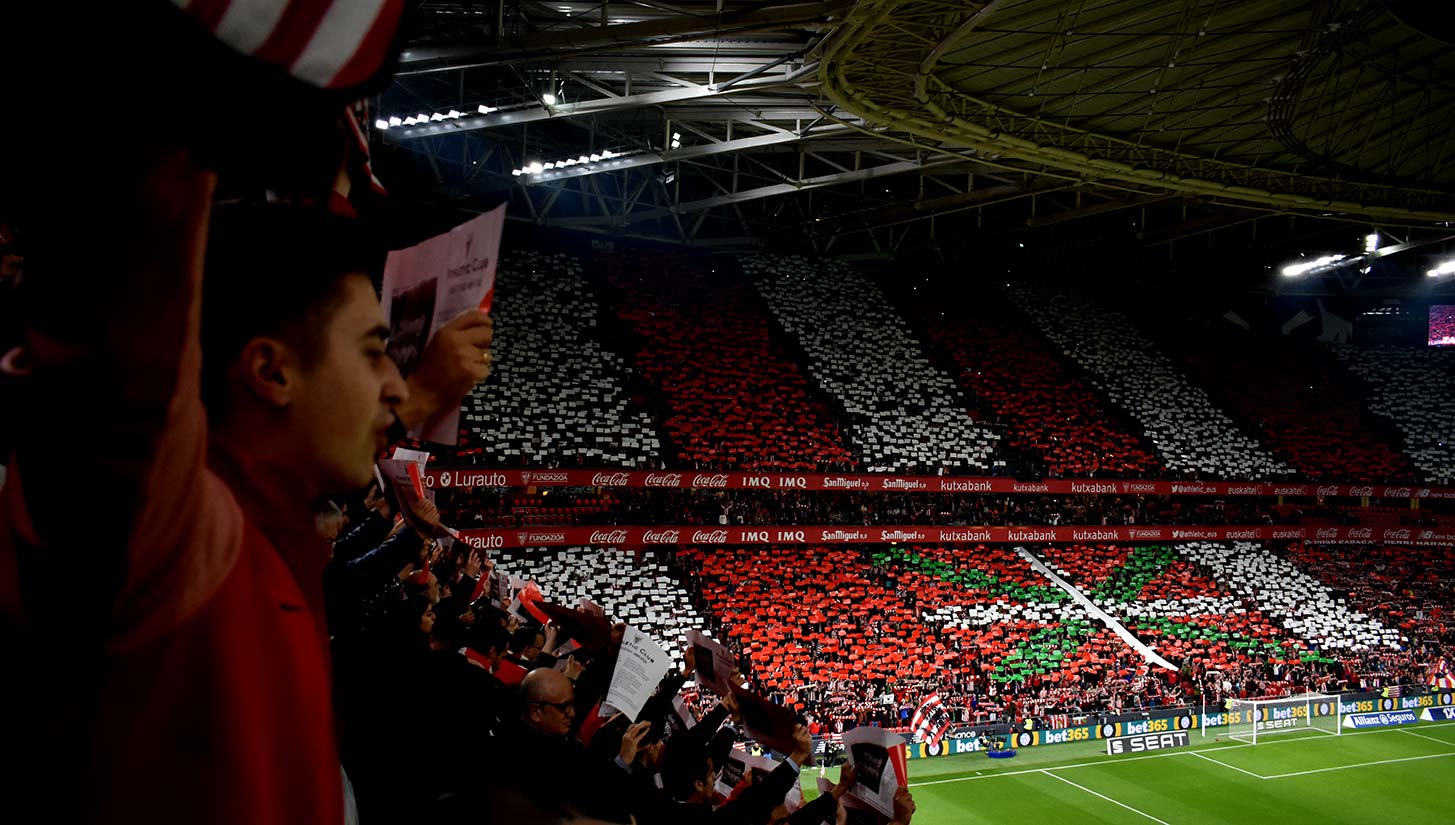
(970, 578)
(1195, 632)
(1143, 566)
(1045, 651)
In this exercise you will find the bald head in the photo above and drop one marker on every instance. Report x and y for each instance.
(546, 700)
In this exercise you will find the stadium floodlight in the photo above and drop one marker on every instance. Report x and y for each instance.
(517, 172)
(595, 158)
(453, 113)
(394, 121)
(1371, 242)
(549, 98)
(1295, 270)
(1446, 268)
(534, 168)
(381, 124)
(485, 110)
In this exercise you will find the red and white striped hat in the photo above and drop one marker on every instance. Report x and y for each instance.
(330, 44)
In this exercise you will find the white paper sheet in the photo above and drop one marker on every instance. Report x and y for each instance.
(431, 284)
(639, 669)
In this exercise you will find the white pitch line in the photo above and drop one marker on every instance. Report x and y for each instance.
(1431, 738)
(1226, 765)
(1064, 767)
(1101, 796)
(1360, 765)
(1118, 761)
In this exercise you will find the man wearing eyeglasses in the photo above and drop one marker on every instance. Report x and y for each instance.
(547, 769)
(548, 702)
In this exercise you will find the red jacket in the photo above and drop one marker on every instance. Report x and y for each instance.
(206, 692)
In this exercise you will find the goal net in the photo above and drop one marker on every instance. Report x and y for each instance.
(1252, 719)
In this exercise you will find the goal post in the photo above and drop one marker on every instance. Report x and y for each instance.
(1250, 720)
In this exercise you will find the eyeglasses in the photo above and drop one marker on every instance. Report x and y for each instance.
(567, 706)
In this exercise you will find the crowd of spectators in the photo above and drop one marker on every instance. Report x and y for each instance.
(416, 620)
(1191, 434)
(735, 399)
(1051, 416)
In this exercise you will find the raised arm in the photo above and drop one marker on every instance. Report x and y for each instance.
(112, 404)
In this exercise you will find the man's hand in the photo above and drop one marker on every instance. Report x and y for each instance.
(427, 516)
(574, 669)
(731, 703)
(473, 564)
(903, 807)
(456, 359)
(689, 658)
(632, 740)
(374, 500)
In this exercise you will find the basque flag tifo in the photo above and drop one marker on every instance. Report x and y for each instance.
(931, 720)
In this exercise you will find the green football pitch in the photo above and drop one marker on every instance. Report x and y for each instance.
(1385, 776)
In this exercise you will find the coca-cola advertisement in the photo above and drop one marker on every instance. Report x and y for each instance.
(501, 477)
(964, 536)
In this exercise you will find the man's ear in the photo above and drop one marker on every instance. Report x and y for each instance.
(270, 370)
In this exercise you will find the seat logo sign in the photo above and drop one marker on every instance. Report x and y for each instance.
(1147, 742)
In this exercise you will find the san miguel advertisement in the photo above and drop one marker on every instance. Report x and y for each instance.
(788, 534)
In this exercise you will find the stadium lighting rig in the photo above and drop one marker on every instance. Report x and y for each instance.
(1443, 269)
(1304, 267)
(385, 124)
(605, 158)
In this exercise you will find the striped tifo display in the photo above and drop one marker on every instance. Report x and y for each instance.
(931, 720)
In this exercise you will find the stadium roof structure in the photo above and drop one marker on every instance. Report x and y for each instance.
(860, 126)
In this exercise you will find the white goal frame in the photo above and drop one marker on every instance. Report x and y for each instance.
(1319, 712)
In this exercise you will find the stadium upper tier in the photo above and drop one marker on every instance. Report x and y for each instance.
(782, 363)
(734, 399)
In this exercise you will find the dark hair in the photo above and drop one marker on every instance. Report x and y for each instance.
(485, 636)
(683, 770)
(274, 270)
(524, 637)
